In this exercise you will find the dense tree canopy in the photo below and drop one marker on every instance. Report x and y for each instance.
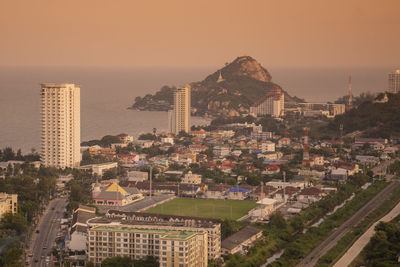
(377, 119)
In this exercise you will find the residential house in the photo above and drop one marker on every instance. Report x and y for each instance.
(100, 168)
(267, 146)
(266, 207)
(240, 241)
(310, 195)
(137, 176)
(271, 169)
(126, 139)
(286, 193)
(191, 178)
(284, 141)
(221, 151)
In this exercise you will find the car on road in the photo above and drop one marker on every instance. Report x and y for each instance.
(42, 257)
(37, 231)
(44, 247)
(36, 260)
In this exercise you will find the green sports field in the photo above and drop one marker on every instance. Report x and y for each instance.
(206, 208)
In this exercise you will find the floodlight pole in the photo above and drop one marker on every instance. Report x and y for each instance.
(151, 176)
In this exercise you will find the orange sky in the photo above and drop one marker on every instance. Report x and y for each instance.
(187, 33)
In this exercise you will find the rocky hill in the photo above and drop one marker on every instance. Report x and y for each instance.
(229, 91)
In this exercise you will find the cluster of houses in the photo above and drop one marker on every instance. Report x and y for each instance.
(229, 152)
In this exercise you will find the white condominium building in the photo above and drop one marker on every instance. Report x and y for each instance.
(173, 248)
(273, 103)
(180, 117)
(394, 81)
(61, 125)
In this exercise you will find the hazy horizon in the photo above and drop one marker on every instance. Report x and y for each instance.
(176, 33)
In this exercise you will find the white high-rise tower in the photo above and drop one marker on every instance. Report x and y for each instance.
(61, 125)
(394, 81)
(180, 119)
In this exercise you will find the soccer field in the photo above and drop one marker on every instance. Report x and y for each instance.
(206, 208)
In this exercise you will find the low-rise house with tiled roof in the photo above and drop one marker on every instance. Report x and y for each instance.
(367, 160)
(127, 158)
(286, 193)
(284, 141)
(197, 148)
(310, 195)
(100, 168)
(125, 138)
(271, 169)
(267, 191)
(201, 133)
(338, 175)
(241, 241)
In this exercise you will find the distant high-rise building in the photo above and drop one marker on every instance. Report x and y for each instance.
(273, 103)
(180, 117)
(394, 81)
(171, 121)
(61, 125)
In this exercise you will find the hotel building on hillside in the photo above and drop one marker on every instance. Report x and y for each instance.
(394, 81)
(8, 203)
(179, 117)
(173, 248)
(273, 103)
(61, 125)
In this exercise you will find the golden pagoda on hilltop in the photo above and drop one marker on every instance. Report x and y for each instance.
(220, 79)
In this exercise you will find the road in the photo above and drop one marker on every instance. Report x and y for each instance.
(343, 229)
(363, 240)
(42, 242)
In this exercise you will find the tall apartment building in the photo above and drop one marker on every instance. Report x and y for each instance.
(394, 81)
(169, 222)
(61, 125)
(179, 118)
(173, 248)
(8, 203)
(273, 103)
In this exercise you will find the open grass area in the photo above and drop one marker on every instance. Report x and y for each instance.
(205, 208)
